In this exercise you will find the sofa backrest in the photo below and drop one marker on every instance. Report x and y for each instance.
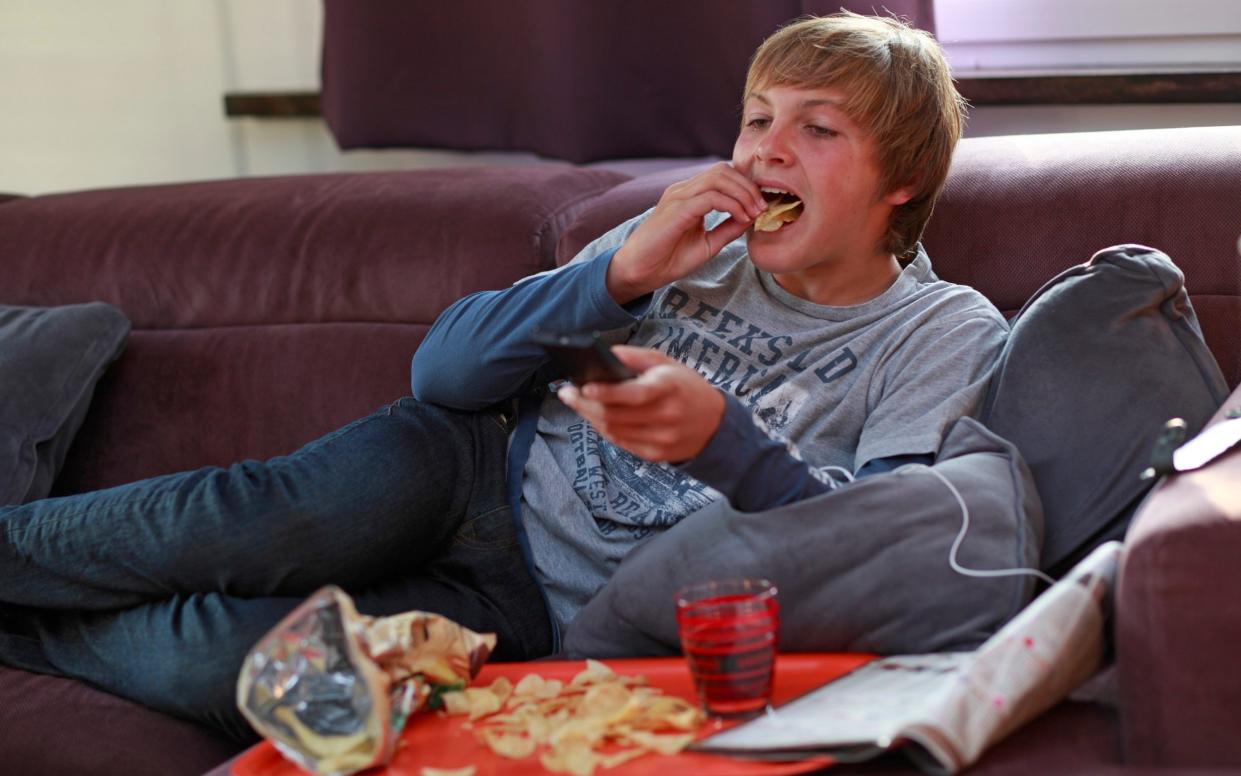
(268, 311)
(1018, 210)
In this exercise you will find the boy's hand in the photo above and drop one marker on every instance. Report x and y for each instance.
(667, 413)
(671, 242)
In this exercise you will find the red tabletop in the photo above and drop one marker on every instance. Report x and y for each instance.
(433, 739)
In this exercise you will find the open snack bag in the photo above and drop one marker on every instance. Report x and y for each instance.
(332, 689)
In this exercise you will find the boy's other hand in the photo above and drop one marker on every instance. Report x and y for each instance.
(671, 242)
(667, 413)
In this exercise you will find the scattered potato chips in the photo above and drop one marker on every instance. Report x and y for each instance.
(597, 720)
(466, 771)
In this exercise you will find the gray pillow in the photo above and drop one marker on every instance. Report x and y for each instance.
(50, 360)
(1097, 361)
(863, 568)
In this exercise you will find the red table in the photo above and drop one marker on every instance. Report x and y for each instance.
(432, 739)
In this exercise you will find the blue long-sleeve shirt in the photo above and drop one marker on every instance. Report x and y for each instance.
(479, 353)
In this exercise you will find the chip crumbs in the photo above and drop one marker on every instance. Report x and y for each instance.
(598, 720)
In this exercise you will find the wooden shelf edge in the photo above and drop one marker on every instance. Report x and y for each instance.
(1140, 88)
(271, 105)
(1145, 88)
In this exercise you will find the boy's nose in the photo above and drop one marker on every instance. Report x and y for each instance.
(772, 149)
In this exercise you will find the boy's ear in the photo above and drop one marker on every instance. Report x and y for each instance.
(898, 197)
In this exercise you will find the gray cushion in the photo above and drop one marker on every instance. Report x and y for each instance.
(864, 567)
(1097, 361)
(50, 360)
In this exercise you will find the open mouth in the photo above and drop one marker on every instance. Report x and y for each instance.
(782, 208)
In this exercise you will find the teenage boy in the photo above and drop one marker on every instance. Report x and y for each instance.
(767, 361)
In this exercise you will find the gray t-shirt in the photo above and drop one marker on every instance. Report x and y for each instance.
(841, 385)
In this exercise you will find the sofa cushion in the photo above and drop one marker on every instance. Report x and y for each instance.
(184, 398)
(50, 361)
(862, 568)
(1096, 362)
(53, 725)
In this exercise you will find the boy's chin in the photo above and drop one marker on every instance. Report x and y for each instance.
(773, 251)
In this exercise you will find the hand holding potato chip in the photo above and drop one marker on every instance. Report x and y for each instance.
(672, 241)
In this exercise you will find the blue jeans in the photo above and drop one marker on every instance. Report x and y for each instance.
(155, 590)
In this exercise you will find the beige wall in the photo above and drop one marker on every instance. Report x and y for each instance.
(97, 93)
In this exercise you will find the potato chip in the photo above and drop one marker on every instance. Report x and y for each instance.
(621, 757)
(577, 759)
(666, 711)
(598, 720)
(664, 743)
(456, 702)
(502, 688)
(512, 746)
(535, 686)
(608, 701)
(467, 770)
(593, 673)
(478, 702)
(783, 211)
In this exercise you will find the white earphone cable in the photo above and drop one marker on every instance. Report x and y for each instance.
(956, 544)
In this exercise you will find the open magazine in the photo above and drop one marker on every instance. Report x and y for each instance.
(947, 709)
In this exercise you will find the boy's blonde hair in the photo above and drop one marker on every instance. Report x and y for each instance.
(897, 87)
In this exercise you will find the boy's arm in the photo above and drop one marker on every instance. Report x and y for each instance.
(751, 469)
(756, 472)
(479, 352)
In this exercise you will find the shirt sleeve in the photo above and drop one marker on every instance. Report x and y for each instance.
(479, 350)
(935, 376)
(755, 471)
(750, 468)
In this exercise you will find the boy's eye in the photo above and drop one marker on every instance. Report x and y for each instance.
(757, 123)
(819, 131)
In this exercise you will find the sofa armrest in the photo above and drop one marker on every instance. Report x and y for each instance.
(1178, 618)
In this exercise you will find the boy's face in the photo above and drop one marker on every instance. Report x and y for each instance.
(799, 140)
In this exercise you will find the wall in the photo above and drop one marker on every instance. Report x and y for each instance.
(96, 94)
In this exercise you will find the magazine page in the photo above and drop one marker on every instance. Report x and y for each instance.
(950, 706)
(1028, 666)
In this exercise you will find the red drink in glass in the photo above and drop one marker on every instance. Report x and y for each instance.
(728, 633)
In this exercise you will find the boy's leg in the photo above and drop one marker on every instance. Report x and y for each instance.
(383, 493)
(182, 656)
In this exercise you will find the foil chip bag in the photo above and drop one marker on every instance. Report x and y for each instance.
(332, 689)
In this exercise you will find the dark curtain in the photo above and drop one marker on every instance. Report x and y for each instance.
(568, 79)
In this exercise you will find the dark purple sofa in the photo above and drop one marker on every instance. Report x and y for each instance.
(269, 311)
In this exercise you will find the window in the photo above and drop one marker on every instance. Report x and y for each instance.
(1062, 37)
